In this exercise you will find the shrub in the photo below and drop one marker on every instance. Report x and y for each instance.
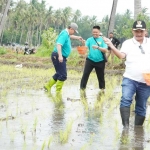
(48, 42)
(2, 51)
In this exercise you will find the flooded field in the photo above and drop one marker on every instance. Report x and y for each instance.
(31, 119)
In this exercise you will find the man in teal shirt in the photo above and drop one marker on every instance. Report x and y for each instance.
(95, 59)
(59, 56)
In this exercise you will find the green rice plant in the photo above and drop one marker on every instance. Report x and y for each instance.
(49, 141)
(91, 139)
(43, 145)
(85, 104)
(148, 122)
(58, 101)
(24, 146)
(24, 130)
(35, 124)
(12, 135)
(64, 135)
(84, 147)
(117, 134)
(125, 140)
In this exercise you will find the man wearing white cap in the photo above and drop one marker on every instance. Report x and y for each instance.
(136, 51)
(59, 56)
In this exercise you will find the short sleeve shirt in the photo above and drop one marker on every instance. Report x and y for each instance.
(95, 54)
(64, 40)
(136, 62)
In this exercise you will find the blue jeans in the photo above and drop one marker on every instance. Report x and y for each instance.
(60, 67)
(142, 91)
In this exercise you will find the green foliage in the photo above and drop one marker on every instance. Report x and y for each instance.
(2, 51)
(48, 42)
(73, 59)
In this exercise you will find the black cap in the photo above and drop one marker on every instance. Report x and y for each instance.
(139, 25)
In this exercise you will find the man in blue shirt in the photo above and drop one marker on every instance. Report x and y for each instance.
(95, 59)
(59, 56)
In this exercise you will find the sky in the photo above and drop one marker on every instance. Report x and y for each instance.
(99, 8)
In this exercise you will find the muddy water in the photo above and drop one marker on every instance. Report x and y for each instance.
(31, 118)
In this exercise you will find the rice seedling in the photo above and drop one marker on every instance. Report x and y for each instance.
(64, 135)
(49, 141)
(24, 130)
(12, 136)
(35, 124)
(43, 145)
(84, 147)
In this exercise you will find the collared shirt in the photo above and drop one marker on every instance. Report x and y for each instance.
(136, 62)
(95, 54)
(64, 40)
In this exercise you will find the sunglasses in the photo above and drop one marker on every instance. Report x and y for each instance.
(141, 48)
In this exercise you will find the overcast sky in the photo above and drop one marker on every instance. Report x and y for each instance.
(99, 8)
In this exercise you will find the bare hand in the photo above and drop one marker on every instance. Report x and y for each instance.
(108, 41)
(60, 58)
(80, 39)
(95, 47)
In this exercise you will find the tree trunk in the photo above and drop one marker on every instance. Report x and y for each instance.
(21, 36)
(137, 8)
(112, 17)
(2, 33)
(40, 34)
(4, 16)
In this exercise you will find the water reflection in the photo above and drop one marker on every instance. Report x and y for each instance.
(132, 139)
(139, 138)
(58, 113)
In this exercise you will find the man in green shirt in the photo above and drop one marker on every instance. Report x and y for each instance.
(59, 56)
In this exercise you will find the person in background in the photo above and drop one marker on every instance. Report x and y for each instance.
(136, 51)
(146, 34)
(59, 56)
(115, 42)
(95, 59)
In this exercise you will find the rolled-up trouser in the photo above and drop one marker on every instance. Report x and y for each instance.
(60, 67)
(142, 91)
(99, 68)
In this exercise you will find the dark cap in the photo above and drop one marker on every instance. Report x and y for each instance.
(74, 26)
(139, 25)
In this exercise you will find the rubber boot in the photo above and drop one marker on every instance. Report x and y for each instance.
(50, 83)
(59, 85)
(125, 114)
(139, 120)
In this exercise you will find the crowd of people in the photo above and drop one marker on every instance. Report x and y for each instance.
(135, 51)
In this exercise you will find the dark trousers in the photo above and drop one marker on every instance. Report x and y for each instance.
(60, 67)
(99, 68)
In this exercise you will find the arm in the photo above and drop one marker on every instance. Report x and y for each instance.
(74, 37)
(104, 50)
(60, 58)
(114, 49)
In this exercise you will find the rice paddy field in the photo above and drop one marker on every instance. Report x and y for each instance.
(31, 119)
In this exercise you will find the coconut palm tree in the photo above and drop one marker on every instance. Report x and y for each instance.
(4, 16)
(137, 8)
(77, 15)
(112, 17)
